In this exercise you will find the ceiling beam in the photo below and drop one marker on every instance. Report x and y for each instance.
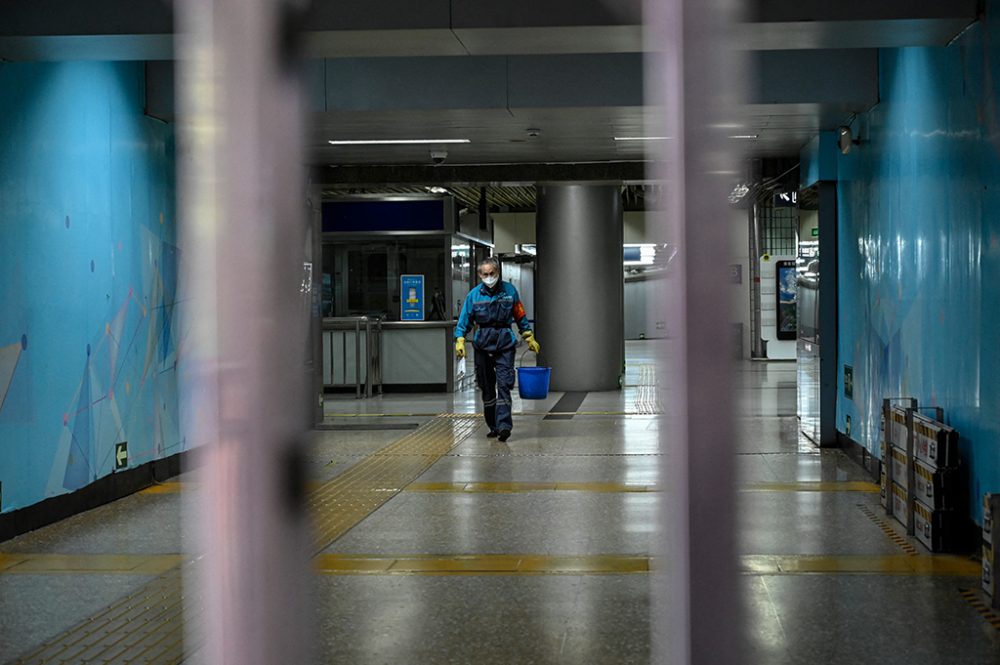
(375, 175)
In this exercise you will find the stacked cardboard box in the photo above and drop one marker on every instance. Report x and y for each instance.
(936, 491)
(991, 512)
(921, 458)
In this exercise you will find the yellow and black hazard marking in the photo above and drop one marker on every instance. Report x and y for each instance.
(971, 596)
(890, 533)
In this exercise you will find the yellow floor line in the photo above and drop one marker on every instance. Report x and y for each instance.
(171, 487)
(813, 486)
(481, 564)
(538, 564)
(507, 487)
(515, 564)
(875, 564)
(510, 487)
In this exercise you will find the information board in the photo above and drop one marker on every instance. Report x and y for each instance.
(411, 298)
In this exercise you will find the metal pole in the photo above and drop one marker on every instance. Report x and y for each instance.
(357, 358)
(756, 341)
(246, 381)
(368, 358)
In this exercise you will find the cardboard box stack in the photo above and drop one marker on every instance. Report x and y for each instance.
(926, 491)
(991, 512)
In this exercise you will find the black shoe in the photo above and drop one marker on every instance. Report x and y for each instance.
(504, 435)
(492, 434)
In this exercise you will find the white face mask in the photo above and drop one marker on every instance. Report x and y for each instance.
(491, 280)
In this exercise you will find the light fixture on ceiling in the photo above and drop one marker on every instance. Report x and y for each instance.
(739, 192)
(437, 190)
(642, 138)
(395, 141)
(744, 136)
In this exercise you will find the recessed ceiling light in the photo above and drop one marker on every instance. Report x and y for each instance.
(642, 138)
(395, 141)
(744, 136)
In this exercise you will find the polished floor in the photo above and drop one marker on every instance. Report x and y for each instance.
(534, 551)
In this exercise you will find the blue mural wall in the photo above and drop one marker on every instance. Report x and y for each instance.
(919, 243)
(88, 278)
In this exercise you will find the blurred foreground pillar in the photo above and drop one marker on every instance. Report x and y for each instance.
(249, 285)
(693, 83)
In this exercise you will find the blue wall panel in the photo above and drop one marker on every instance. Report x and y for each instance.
(919, 237)
(88, 277)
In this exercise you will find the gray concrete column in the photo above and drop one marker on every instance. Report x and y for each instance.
(579, 286)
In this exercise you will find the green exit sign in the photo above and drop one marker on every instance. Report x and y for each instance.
(815, 232)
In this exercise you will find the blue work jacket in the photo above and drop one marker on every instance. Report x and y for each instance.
(492, 311)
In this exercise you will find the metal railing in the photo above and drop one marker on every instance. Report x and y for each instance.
(371, 327)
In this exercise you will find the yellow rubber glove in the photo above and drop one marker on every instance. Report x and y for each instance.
(529, 337)
(460, 347)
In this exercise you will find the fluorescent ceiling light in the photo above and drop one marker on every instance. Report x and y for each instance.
(396, 141)
(744, 136)
(642, 138)
(437, 190)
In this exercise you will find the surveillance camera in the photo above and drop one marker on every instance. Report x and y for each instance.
(438, 156)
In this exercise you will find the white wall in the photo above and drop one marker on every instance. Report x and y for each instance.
(738, 254)
(512, 228)
(808, 220)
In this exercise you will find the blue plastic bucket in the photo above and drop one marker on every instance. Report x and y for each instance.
(533, 382)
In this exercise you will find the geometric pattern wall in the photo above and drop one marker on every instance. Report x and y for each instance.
(89, 263)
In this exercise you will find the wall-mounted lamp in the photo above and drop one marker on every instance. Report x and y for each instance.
(847, 139)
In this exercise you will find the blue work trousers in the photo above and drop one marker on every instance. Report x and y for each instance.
(495, 377)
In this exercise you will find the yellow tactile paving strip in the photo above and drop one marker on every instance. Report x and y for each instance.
(143, 627)
(138, 564)
(148, 625)
(349, 498)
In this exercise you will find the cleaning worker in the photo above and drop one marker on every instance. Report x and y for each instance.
(492, 307)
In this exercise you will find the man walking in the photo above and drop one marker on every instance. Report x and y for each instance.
(492, 307)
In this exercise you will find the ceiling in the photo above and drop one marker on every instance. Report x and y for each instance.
(489, 72)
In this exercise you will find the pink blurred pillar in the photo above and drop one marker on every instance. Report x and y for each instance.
(248, 285)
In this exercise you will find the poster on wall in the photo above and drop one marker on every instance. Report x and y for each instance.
(411, 301)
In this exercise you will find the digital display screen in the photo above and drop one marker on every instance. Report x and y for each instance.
(787, 311)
